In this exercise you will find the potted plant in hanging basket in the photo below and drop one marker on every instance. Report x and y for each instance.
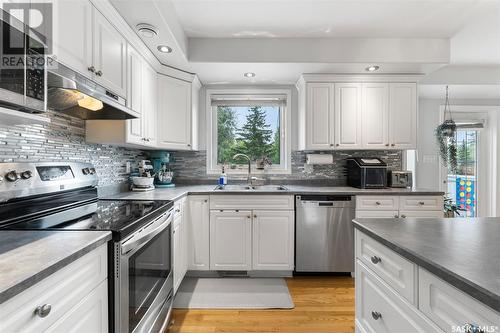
(446, 138)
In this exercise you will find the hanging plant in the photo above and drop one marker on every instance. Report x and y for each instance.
(446, 138)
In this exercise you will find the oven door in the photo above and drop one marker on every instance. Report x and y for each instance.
(144, 286)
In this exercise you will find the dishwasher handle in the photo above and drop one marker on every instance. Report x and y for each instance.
(326, 201)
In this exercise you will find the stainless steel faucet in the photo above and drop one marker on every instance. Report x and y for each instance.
(249, 178)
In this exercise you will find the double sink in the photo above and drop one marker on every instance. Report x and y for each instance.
(250, 188)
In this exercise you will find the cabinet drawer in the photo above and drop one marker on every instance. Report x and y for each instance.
(377, 213)
(62, 290)
(418, 203)
(256, 201)
(380, 309)
(372, 202)
(395, 270)
(449, 307)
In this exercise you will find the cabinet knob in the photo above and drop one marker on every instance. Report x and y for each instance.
(403, 215)
(98, 73)
(375, 259)
(392, 145)
(396, 216)
(376, 315)
(249, 217)
(43, 311)
(189, 145)
(177, 210)
(331, 144)
(387, 145)
(421, 203)
(338, 144)
(91, 69)
(255, 216)
(377, 203)
(205, 200)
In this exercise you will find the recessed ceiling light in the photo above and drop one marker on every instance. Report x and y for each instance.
(372, 68)
(147, 30)
(249, 74)
(164, 49)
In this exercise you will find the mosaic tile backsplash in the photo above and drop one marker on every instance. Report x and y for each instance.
(63, 139)
(190, 167)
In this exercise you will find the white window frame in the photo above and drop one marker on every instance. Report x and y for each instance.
(489, 155)
(285, 127)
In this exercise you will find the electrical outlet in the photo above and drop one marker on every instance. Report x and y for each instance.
(127, 167)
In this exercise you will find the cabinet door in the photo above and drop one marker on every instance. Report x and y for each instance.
(273, 240)
(184, 240)
(347, 116)
(109, 55)
(377, 213)
(230, 240)
(90, 315)
(174, 113)
(319, 116)
(72, 34)
(198, 215)
(375, 115)
(149, 104)
(403, 115)
(177, 249)
(135, 127)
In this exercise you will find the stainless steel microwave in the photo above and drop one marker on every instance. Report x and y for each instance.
(23, 76)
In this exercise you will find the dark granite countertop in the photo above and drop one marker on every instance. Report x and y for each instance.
(27, 257)
(463, 252)
(181, 191)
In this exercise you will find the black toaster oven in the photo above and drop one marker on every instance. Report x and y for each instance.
(366, 172)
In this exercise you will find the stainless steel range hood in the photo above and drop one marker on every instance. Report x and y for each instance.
(74, 94)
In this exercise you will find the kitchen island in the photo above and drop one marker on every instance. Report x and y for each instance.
(427, 274)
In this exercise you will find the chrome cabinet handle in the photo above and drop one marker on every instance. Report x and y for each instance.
(43, 311)
(91, 69)
(98, 73)
(375, 259)
(421, 203)
(403, 215)
(377, 203)
(376, 315)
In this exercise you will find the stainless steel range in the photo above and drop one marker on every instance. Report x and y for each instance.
(63, 196)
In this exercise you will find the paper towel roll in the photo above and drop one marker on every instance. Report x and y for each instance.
(319, 159)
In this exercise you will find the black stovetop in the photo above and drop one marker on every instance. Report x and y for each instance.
(121, 217)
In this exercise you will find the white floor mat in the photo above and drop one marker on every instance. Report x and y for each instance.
(233, 293)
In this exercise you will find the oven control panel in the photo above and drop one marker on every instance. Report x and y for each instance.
(26, 179)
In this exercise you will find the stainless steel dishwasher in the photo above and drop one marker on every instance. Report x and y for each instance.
(324, 233)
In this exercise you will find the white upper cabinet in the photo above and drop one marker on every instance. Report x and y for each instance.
(73, 34)
(359, 112)
(109, 58)
(347, 116)
(174, 113)
(87, 42)
(375, 115)
(319, 116)
(403, 115)
(149, 104)
(135, 127)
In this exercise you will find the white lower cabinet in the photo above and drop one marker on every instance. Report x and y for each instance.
(198, 229)
(88, 316)
(380, 309)
(231, 240)
(76, 296)
(180, 249)
(373, 206)
(273, 240)
(449, 307)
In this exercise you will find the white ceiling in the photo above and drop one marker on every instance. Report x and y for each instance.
(466, 31)
(324, 18)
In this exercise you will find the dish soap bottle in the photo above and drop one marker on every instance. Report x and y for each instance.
(223, 177)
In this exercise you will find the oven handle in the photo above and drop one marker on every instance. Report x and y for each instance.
(136, 241)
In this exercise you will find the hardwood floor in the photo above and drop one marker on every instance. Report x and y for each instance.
(322, 305)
